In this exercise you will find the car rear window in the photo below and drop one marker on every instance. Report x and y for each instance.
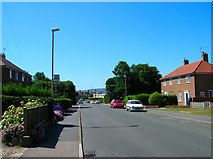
(135, 102)
(117, 102)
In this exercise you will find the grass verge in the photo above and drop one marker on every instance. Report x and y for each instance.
(194, 111)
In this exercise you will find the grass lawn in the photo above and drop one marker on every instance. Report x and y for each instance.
(194, 111)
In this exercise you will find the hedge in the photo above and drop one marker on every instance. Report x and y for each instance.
(162, 100)
(144, 98)
(13, 89)
(129, 97)
(65, 103)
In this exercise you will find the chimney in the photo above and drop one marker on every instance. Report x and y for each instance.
(185, 62)
(3, 56)
(204, 57)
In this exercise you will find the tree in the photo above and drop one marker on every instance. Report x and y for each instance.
(40, 76)
(146, 78)
(141, 78)
(121, 69)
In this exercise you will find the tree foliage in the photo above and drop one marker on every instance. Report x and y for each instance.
(140, 78)
(40, 76)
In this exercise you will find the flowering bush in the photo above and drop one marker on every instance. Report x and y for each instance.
(32, 103)
(58, 113)
(13, 121)
(37, 134)
(57, 107)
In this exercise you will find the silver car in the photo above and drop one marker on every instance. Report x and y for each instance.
(97, 102)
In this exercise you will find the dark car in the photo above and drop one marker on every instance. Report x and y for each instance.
(80, 101)
(116, 103)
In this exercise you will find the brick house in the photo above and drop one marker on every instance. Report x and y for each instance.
(12, 73)
(190, 81)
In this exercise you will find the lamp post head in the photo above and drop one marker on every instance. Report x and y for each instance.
(55, 29)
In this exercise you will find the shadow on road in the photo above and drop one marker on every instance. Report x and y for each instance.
(130, 126)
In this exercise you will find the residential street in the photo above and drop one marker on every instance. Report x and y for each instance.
(111, 132)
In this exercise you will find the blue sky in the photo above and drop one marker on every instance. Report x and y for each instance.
(94, 37)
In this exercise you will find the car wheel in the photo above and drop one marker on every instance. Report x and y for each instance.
(130, 110)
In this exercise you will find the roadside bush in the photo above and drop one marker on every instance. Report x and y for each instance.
(157, 99)
(65, 103)
(130, 97)
(14, 89)
(172, 100)
(144, 98)
(15, 100)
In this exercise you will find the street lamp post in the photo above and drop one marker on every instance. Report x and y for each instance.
(125, 85)
(53, 30)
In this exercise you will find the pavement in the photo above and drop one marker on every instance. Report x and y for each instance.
(61, 140)
(197, 118)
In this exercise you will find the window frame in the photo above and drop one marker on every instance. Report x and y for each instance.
(179, 97)
(22, 77)
(179, 80)
(11, 74)
(170, 82)
(188, 80)
(164, 82)
(16, 76)
(202, 94)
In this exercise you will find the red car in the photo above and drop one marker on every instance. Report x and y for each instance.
(116, 103)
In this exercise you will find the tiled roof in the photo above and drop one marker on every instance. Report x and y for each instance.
(4, 62)
(196, 67)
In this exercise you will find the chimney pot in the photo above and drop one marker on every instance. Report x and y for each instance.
(3, 56)
(185, 62)
(204, 57)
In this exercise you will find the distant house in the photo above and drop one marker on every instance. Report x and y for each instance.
(12, 73)
(98, 95)
(190, 81)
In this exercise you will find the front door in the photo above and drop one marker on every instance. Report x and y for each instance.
(186, 96)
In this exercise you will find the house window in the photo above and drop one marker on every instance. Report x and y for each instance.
(170, 82)
(164, 83)
(202, 94)
(179, 97)
(22, 77)
(16, 76)
(210, 93)
(179, 80)
(11, 74)
(187, 79)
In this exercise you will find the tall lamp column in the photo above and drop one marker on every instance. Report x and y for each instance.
(53, 30)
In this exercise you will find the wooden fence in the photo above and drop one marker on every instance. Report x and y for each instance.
(35, 117)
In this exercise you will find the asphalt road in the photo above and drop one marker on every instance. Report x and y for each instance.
(109, 132)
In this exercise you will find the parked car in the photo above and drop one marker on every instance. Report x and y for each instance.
(134, 105)
(80, 101)
(97, 102)
(88, 101)
(92, 102)
(116, 103)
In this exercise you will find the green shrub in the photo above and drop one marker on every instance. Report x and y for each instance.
(13, 89)
(65, 103)
(157, 99)
(172, 100)
(144, 98)
(129, 97)
(16, 100)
